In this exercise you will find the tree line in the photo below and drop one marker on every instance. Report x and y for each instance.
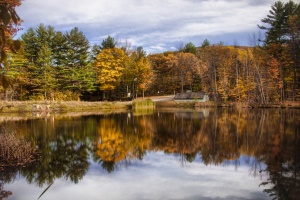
(61, 66)
(52, 65)
(264, 73)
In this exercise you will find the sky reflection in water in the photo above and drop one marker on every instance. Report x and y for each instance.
(157, 176)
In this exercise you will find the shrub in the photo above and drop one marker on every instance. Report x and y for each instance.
(15, 152)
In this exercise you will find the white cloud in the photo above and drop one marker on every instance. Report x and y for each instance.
(148, 22)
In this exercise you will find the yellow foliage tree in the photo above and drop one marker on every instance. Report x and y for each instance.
(186, 68)
(109, 67)
(139, 68)
(243, 75)
(225, 71)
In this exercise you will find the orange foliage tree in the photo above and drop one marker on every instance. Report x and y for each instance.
(9, 22)
(186, 69)
(163, 76)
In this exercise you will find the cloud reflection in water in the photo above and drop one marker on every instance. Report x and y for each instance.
(157, 176)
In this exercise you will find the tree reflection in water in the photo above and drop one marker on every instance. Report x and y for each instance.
(282, 158)
(267, 140)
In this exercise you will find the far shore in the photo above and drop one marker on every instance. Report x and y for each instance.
(59, 106)
(158, 102)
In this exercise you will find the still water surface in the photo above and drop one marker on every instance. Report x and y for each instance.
(161, 154)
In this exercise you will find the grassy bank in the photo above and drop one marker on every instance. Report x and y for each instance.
(184, 104)
(142, 104)
(210, 104)
(66, 106)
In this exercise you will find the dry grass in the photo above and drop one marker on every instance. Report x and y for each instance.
(142, 103)
(58, 106)
(80, 106)
(15, 152)
(183, 104)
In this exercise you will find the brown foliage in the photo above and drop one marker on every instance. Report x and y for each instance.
(15, 151)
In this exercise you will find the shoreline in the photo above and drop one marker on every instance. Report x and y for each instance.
(60, 107)
(83, 106)
(238, 105)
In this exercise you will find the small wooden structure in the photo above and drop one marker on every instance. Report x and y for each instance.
(192, 96)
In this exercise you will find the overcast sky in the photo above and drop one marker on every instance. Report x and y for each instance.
(156, 25)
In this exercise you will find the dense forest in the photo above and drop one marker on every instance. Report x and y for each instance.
(46, 64)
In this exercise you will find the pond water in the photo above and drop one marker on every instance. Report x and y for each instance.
(161, 154)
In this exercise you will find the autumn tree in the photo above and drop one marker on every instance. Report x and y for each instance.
(109, 66)
(176, 72)
(244, 87)
(281, 28)
(138, 71)
(9, 21)
(209, 56)
(225, 66)
(274, 82)
(227, 73)
(144, 70)
(163, 76)
(187, 69)
(9, 25)
(259, 56)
